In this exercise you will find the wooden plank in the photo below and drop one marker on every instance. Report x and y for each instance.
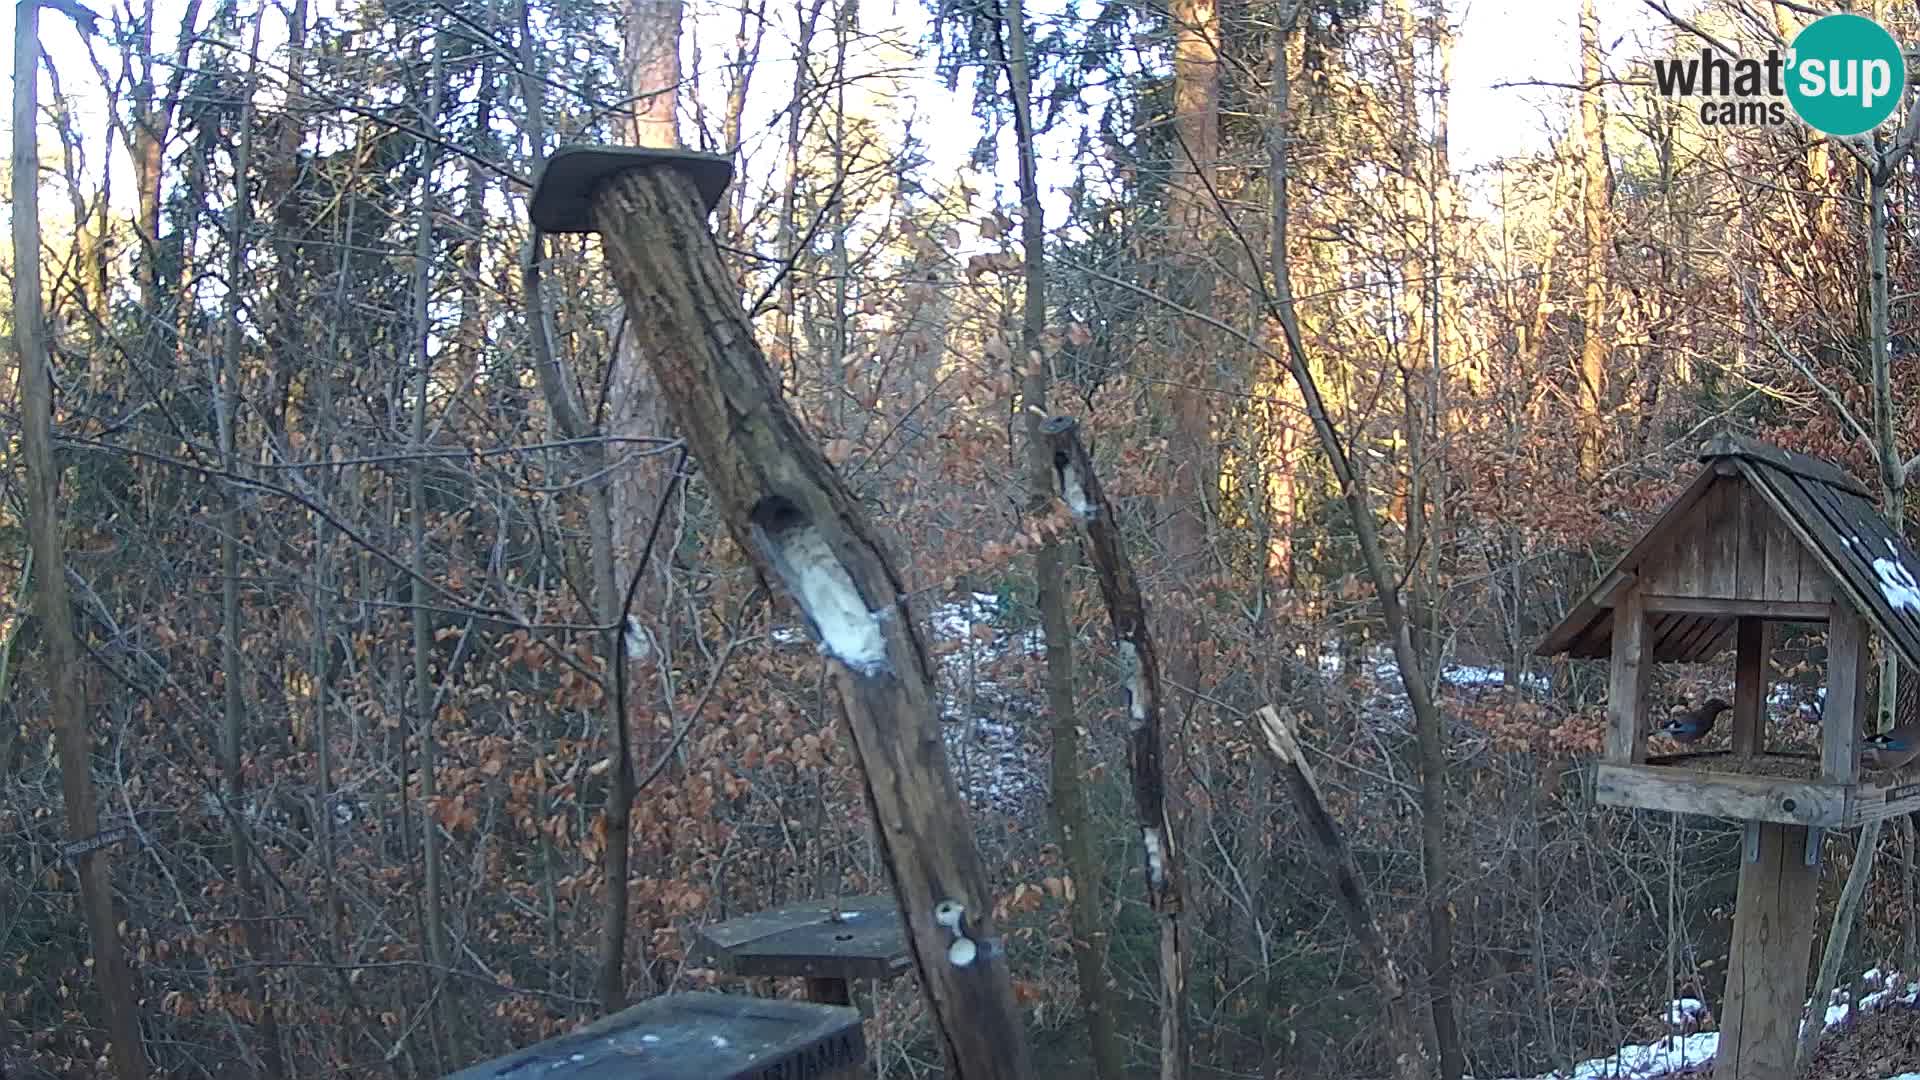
(1751, 519)
(1879, 803)
(866, 941)
(1776, 610)
(1680, 570)
(712, 1036)
(1721, 795)
(1816, 585)
(1667, 635)
(1767, 963)
(1720, 540)
(1627, 687)
(1750, 687)
(1783, 557)
(1846, 696)
(1596, 641)
(1696, 643)
(1887, 565)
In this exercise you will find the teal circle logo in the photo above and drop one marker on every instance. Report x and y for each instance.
(1845, 74)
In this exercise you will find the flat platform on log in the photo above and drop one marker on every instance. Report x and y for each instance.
(860, 937)
(689, 1036)
(1768, 787)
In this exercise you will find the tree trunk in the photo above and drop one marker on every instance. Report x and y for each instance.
(1384, 577)
(1078, 484)
(1069, 794)
(233, 662)
(65, 678)
(784, 503)
(1593, 211)
(634, 490)
(1893, 507)
(424, 706)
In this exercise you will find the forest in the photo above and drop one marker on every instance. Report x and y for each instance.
(385, 686)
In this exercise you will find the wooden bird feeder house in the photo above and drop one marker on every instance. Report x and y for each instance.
(1760, 537)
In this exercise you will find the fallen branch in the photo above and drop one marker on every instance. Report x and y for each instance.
(1409, 1053)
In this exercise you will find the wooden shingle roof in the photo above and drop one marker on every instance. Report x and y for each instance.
(1831, 515)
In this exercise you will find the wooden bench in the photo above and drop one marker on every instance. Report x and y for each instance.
(696, 1037)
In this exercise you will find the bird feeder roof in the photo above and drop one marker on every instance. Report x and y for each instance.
(1829, 513)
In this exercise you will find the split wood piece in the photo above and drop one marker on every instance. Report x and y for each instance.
(788, 508)
(1767, 963)
(1410, 1054)
(1079, 487)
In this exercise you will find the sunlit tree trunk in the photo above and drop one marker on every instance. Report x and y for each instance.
(64, 673)
(227, 377)
(424, 704)
(1592, 382)
(1068, 781)
(634, 411)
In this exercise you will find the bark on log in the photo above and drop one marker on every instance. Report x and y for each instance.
(1079, 487)
(785, 504)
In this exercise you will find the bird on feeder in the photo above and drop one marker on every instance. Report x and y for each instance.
(1692, 725)
(1892, 749)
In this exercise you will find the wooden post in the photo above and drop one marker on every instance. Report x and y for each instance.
(1750, 686)
(1079, 487)
(1767, 969)
(1846, 696)
(788, 508)
(1627, 689)
(829, 991)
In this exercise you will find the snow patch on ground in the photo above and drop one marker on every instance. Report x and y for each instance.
(1677, 1052)
(1683, 1010)
(1663, 1058)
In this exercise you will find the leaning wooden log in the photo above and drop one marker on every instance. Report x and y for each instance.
(1079, 487)
(787, 507)
(1410, 1060)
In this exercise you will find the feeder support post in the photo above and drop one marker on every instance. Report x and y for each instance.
(787, 507)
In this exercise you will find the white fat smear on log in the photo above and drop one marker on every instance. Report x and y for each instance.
(1156, 857)
(805, 562)
(1136, 684)
(1075, 493)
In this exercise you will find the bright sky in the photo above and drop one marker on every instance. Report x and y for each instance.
(1499, 42)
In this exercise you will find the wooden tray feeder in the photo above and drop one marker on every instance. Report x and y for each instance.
(682, 1036)
(1761, 536)
(829, 944)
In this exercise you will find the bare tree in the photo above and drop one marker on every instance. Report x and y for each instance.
(64, 666)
